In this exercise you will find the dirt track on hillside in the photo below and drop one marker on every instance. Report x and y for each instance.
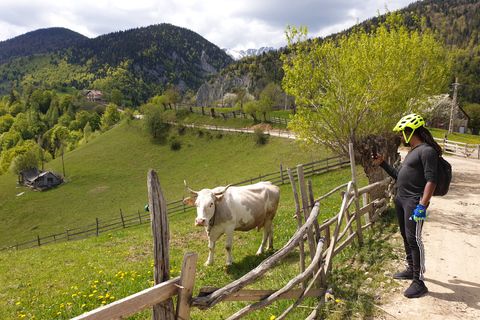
(451, 237)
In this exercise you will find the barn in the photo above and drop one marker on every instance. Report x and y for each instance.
(38, 179)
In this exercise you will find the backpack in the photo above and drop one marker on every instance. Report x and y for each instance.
(444, 177)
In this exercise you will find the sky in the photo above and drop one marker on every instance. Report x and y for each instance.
(234, 24)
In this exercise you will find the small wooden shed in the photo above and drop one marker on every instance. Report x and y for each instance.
(38, 179)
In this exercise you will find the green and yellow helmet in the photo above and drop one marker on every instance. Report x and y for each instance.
(412, 121)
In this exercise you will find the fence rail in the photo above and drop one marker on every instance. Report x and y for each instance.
(122, 221)
(459, 148)
(229, 114)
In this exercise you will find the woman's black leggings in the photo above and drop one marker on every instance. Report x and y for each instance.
(412, 235)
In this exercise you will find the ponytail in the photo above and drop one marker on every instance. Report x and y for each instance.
(427, 137)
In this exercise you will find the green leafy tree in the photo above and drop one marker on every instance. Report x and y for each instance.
(356, 87)
(111, 116)
(6, 123)
(251, 108)
(274, 92)
(95, 120)
(116, 96)
(265, 105)
(65, 103)
(27, 157)
(153, 117)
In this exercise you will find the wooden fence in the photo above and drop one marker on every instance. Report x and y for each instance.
(229, 114)
(126, 220)
(325, 242)
(459, 148)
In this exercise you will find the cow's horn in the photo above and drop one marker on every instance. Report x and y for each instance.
(223, 191)
(190, 190)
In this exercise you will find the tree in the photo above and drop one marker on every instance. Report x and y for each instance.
(275, 93)
(111, 115)
(26, 159)
(116, 96)
(251, 109)
(65, 103)
(265, 105)
(153, 117)
(356, 87)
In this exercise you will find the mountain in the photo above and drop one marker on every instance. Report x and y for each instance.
(140, 62)
(239, 54)
(38, 41)
(456, 23)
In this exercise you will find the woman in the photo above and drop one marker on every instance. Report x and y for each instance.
(416, 182)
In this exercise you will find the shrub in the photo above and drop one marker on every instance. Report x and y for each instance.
(259, 136)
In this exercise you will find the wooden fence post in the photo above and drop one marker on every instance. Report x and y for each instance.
(281, 173)
(298, 215)
(121, 216)
(306, 213)
(355, 190)
(161, 237)
(38, 240)
(96, 221)
(187, 281)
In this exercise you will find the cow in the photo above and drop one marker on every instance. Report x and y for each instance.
(224, 209)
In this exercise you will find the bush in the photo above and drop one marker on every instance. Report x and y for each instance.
(259, 136)
(174, 143)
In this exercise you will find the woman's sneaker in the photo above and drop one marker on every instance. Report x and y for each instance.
(404, 275)
(416, 289)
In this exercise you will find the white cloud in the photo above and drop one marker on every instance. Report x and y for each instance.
(236, 24)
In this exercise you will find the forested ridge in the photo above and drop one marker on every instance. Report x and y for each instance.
(140, 62)
(457, 23)
(38, 41)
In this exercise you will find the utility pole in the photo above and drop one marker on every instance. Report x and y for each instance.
(454, 104)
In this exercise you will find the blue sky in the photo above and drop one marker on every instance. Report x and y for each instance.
(235, 24)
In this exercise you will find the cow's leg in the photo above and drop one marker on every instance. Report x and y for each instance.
(228, 245)
(212, 238)
(267, 236)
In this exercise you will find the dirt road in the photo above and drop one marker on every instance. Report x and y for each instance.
(452, 246)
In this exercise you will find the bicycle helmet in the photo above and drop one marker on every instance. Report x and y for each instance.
(412, 121)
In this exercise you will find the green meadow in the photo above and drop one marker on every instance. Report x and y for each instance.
(109, 173)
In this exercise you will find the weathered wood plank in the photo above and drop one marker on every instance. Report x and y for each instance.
(135, 303)
(161, 236)
(257, 295)
(187, 281)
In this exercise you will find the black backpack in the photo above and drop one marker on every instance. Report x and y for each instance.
(444, 177)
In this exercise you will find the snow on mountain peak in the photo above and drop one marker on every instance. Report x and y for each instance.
(239, 54)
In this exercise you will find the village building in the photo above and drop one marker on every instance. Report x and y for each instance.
(38, 179)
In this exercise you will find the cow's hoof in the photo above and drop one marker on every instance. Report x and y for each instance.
(228, 264)
(259, 253)
(208, 263)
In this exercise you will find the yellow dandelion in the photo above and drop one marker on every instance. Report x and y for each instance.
(337, 301)
(18, 303)
(272, 317)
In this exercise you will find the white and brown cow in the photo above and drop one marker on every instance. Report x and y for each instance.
(225, 209)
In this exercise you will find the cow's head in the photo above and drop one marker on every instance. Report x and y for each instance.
(205, 202)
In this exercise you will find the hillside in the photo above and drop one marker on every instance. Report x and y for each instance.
(140, 62)
(108, 174)
(38, 41)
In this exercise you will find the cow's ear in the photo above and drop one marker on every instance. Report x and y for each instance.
(190, 201)
(219, 198)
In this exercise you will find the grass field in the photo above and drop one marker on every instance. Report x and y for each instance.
(60, 281)
(109, 174)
